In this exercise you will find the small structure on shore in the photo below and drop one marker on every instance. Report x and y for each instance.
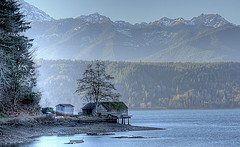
(111, 110)
(89, 109)
(105, 108)
(48, 110)
(64, 110)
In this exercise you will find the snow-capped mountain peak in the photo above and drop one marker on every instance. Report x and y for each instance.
(214, 20)
(93, 18)
(32, 13)
(179, 20)
(122, 24)
(165, 21)
(169, 22)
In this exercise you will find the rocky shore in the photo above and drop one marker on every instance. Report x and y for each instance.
(19, 130)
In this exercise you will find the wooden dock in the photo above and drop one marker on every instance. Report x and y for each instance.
(119, 118)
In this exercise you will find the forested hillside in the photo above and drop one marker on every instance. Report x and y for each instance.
(149, 85)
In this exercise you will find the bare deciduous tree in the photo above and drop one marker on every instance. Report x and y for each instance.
(96, 85)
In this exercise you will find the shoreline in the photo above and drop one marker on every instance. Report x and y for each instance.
(25, 131)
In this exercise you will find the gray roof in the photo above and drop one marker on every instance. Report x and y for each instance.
(65, 105)
(90, 106)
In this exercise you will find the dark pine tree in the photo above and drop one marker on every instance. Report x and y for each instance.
(18, 70)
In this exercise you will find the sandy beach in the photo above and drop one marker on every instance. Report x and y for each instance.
(17, 130)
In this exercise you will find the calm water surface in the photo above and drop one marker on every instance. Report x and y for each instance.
(185, 128)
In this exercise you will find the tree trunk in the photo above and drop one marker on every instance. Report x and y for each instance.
(96, 107)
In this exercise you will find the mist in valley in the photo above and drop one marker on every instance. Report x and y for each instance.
(119, 72)
(166, 63)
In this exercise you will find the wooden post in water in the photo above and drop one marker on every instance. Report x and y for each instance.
(128, 121)
(122, 120)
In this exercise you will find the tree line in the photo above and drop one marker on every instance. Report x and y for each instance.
(151, 85)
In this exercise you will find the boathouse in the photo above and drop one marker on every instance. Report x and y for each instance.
(105, 108)
(64, 110)
(110, 110)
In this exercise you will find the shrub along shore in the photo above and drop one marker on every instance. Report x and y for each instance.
(19, 130)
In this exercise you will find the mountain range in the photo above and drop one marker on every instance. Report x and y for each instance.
(32, 13)
(206, 38)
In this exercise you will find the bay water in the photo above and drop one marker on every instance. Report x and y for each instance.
(184, 128)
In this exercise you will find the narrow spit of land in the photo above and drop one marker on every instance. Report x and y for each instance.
(19, 130)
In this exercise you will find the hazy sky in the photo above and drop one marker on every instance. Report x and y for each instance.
(135, 11)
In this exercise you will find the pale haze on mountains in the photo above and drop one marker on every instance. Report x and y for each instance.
(204, 38)
(119, 73)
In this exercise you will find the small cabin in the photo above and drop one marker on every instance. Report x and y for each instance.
(105, 108)
(64, 110)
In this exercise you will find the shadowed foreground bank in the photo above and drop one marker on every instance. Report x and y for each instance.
(17, 130)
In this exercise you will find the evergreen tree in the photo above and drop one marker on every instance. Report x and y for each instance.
(96, 84)
(18, 71)
(4, 71)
